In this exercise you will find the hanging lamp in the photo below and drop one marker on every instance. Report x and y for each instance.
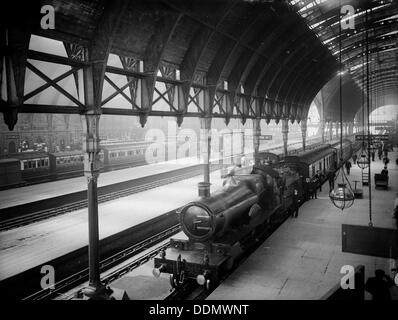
(342, 196)
(363, 159)
(368, 115)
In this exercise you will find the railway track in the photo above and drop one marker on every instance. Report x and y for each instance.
(36, 216)
(120, 253)
(49, 213)
(80, 277)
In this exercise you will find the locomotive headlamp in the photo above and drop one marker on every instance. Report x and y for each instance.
(157, 271)
(201, 279)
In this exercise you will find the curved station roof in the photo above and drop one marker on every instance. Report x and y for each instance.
(229, 59)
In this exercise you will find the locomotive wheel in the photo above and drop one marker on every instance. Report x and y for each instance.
(173, 282)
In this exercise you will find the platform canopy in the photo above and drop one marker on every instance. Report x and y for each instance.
(200, 58)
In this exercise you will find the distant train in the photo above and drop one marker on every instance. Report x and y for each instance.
(222, 227)
(20, 168)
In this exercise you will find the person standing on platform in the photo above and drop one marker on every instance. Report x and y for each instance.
(314, 187)
(379, 153)
(373, 155)
(379, 286)
(354, 158)
(386, 161)
(331, 181)
(295, 204)
(320, 179)
(307, 189)
(348, 167)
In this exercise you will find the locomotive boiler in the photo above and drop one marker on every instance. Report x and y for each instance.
(208, 219)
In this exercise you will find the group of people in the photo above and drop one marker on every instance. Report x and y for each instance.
(310, 189)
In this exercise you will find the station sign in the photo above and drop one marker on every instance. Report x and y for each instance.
(265, 137)
(374, 137)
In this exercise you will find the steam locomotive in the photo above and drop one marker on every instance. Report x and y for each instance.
(222, 227)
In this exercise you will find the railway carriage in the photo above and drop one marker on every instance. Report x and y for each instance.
(124, 154)
(33, 165)
(308, 163)
(66, 163)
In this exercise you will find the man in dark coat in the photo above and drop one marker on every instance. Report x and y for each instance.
(331, 181)
(314, 187)
(295, 203)
(348, 167)
(354, 158)
(379, 286)
(307, 189)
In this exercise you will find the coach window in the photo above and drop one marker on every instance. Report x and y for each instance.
(25, 164)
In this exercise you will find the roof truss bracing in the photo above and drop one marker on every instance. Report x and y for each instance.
(225, 58)
(323, 18)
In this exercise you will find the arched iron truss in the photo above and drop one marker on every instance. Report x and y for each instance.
(225, 58)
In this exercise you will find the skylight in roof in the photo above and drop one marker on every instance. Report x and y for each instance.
(360, 13)
(389, 18)
(358, 66)
(388, 34)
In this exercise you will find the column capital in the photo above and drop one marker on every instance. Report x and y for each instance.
(205, 122)
(285, 125)
(91, 175)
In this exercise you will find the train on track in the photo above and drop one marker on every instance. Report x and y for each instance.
(40, 166)
(224, 226)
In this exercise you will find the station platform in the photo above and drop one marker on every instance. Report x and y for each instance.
(14, 197)
(48, 190)
(302, 259)
(32, 245)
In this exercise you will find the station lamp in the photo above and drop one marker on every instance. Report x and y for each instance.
(363, 160)
(342, 196)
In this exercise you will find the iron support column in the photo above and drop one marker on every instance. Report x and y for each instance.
(256, 137)
(91, 171)
(304, 132)
(205, 147)
(285, 132)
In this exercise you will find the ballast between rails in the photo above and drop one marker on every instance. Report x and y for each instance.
(80, 277)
